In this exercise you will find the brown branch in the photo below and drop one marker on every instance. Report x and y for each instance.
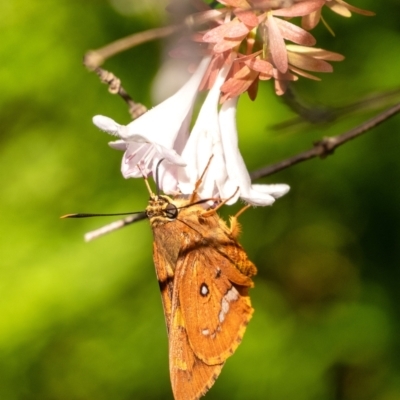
(115, 87)
(94, 58)
(326, 146)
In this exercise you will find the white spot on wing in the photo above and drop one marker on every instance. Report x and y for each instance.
(231, 295)
(204, 290)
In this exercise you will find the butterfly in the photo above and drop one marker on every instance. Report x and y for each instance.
(204, 276)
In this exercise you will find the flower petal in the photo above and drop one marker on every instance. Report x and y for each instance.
(162, 123)
(276, 190)
(300, 9)
(204, 142)
(311, 20)
(294, 33)
(277, 45)
(257, 195)
(109, 125)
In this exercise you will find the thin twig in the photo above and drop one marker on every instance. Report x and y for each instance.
(115, 87)
(94, 58)
(326, 146)
(320, 114)
(113, 226)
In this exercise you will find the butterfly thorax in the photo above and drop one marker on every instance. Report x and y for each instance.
(179, 226)
(167, 213)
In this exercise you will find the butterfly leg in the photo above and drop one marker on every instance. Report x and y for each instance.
(215, 209)
(234, 225)
(241, 211)
(200, 180)
(146, 181)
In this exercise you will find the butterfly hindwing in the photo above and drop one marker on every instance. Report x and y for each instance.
(213, 306)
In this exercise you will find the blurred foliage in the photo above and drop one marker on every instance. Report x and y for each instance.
(84, 321)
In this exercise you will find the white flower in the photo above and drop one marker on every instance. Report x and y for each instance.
(215, 134)
(159, 133)
(162, 133)
(204, 141)
(238, 176)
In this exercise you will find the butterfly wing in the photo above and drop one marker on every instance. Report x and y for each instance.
(215, 305)
(210, 312)
(191, 378)
(165, 277)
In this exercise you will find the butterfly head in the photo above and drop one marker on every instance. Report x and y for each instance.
(161, 209)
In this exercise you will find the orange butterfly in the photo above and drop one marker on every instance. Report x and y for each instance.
(204, 276)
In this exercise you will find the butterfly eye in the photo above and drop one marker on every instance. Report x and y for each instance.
(171, 211)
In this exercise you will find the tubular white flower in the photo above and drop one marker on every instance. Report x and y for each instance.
(257, 195)
(204, 142)
(216, 135)
(157, 134)
(162, 133)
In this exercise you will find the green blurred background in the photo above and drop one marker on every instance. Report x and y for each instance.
(84, 321)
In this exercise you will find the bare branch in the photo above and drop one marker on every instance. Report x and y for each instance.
(327, 146)
(95, 58)
(320, 114)
(115, 87)
(113, 226)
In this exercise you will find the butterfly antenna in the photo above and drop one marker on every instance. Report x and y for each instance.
(215, 209)
(89, 215)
